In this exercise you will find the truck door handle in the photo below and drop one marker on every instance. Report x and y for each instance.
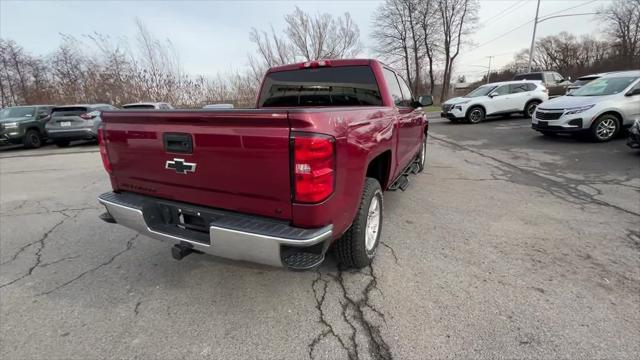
(178, 143)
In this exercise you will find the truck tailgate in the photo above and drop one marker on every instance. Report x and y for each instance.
(236, 160)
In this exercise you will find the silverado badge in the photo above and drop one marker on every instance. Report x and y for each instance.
(180, 166)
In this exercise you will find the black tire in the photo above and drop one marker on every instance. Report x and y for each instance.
(62, 143)
(475, 115)
(32, 139)
(605, 128)
(351, 248)
(422, 155)
(530, 108)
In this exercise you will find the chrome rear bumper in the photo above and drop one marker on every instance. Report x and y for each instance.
(233, 236)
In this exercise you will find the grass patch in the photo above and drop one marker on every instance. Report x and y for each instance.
(431, 108)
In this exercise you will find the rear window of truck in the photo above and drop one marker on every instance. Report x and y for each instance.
(532, 76)
(327, 86)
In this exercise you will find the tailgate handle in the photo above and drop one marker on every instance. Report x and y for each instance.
(178, 143)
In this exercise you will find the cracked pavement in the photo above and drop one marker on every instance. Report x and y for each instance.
(509, 245)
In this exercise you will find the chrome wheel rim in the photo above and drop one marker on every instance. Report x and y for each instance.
(475, 116)
(373, 223)
(423, 152)
(606, 129)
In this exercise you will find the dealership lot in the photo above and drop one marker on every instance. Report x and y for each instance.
(511, 244)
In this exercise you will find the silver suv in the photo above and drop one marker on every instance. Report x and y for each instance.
(600, 108)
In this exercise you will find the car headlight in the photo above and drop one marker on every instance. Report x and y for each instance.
(578, 110)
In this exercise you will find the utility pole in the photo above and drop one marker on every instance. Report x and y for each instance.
(533, 37)
(489, 69)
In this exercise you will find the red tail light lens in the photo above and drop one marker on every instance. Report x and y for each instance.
(313, 167)
(102, 141)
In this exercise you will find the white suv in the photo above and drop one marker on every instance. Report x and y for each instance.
(600, 108)
(500, 98)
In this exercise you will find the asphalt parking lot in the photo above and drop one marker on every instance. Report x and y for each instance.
(510, 245)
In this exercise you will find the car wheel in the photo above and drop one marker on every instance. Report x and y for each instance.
(530, 108)
(422, 155)
(357, 247)
(62, 143)
(605, 128)
(475, 115)
(32, 139)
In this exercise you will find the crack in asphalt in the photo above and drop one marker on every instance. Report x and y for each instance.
(128, 247)
(351, 352)
(568, 190)
(136, 309)
(38, 253)
(353, 314)
(60, 211)
(47, 211)
(393, 252)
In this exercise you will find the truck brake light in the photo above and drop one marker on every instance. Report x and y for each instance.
(315, 64)
(102, 141)
(313, 167)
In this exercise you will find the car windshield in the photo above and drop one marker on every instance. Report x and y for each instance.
(481, 91)
(605, 86)
(581, 82)
(17, 112)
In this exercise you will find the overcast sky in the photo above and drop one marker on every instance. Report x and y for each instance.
(213, 36)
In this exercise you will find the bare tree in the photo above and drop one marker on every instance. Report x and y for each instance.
(458, 18)
(393, 38)
(307, 38)
(623, 26)
(429, 22)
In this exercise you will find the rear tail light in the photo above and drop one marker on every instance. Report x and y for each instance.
(315, 64)
(90, 115)
(313, 167)
(102, 141)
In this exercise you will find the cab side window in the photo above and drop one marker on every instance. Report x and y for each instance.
(406, 92)
(394, 87)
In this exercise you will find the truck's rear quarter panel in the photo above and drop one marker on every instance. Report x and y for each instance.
(242, 158)
(361, 135)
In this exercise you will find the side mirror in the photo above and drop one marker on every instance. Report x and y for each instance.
(493, 94)
(425, 100)
(633, 92)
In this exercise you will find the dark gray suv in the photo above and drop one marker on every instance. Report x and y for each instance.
(75, 122)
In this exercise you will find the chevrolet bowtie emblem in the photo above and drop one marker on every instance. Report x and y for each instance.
(180, 166)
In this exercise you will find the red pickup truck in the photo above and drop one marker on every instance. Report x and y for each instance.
(275, 185)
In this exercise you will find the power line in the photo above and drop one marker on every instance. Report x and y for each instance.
(527, 23)
(521, 2)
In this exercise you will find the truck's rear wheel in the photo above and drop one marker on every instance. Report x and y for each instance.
(422, 155)
(357, 247)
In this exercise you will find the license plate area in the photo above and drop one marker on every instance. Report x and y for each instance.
(65, 123)
(543, 124)
(181, 221)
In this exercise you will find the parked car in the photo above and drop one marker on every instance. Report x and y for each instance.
(600, 108)
(24, 125)
(148, 106)
(500, 98)
(75, 122)
(633, 141)
(278, 184)
(218, 106)
(581, 81)
(554, 82)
